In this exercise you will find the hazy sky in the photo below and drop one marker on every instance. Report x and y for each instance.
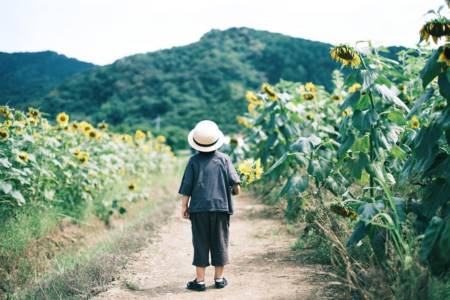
(102, 31)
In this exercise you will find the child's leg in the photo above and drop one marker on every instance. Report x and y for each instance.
(218, 272)
(200, 271)
(220, 223)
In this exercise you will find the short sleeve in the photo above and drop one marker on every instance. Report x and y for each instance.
(187, 182)
(233, 177)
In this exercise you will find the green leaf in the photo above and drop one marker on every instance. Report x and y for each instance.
(362, 120)
(432, 68)
(319, 169)
(425, 97)
(305, 144)
(430, 237)
(18, 197)
(390, 96)
(350, 100)
(4, 162)
(358, 234)
(397, 117)
(347, 144)
(295, 185)
(444, 84)
(5, 187)
(277, 164)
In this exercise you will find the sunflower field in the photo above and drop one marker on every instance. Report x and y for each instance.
(366, 166)
(71, 164)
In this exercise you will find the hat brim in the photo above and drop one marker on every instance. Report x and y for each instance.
(197, 147)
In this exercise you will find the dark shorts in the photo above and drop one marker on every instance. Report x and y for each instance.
(210, 231)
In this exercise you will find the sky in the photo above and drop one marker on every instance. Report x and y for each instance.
(102, 31)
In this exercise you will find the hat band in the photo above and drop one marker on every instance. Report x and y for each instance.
(204, 145)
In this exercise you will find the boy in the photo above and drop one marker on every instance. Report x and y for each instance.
(208, 181)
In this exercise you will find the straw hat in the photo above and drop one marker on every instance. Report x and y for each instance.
(206, 136)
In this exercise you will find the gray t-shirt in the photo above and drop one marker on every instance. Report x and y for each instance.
(208, 179)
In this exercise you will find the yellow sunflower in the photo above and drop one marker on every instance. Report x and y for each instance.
(354, 88)
(161, 139)
(22, 157)
(310, 87)
(336, 97)
(346, 55)
(139, 135)
(346, 112)
(436, 29)
(243, 121)
(415, 123)
(63, 119)
(444, 56)
(103, 126)
(34, 113)
(127, 138)
(4, 133)
(131, 186)
(270, 92)
(251, 96)
(83, 157)
(308, 96)
(309, 116)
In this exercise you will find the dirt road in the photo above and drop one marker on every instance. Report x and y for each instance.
(262, 264)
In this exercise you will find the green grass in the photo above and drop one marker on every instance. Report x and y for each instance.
(50, 271)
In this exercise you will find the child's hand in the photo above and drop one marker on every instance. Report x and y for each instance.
(184, 212)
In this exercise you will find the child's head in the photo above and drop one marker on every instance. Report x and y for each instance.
(206, 137)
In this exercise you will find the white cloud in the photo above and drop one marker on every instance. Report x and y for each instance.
(102, 31)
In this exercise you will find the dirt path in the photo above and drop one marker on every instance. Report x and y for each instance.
(262, 264)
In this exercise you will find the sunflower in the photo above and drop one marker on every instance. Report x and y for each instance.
(161, 139)
(310, 87)
(243, 121)
(74, 126)
(76, 152)
(336, 97)
(7, 123)
(354, 88)
(131, 186)
(139, 135)
(4, 133)
(5, 112)
(346, 112)
(250, 170)
(346, 55)
(63, 119)
(127, 138)
(22, 157)
(415, 123)
(269, 91)
(343, 211)
(83, 157)
(251, 96)
(436, 29)
(309, 116)
(444, 56)
(34, 113)
(32, 121)
(94, 134)
(102, 126)
(308, 96)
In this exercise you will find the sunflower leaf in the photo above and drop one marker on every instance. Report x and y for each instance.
(444, 84)
(432, 68)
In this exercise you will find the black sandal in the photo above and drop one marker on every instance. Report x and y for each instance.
(195, 286)
(221, 284)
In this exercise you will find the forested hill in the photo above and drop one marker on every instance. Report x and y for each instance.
(181, 85)
(26, 76)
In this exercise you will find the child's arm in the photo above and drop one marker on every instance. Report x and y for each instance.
(236, 189)
(184, 206)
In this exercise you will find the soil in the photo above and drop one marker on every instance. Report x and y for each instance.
(263, 265)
